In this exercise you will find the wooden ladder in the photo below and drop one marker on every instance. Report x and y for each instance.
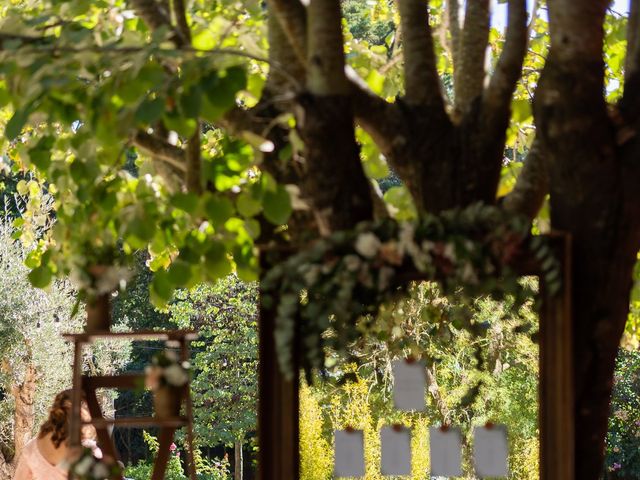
(89, 385)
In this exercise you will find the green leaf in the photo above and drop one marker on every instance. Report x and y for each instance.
(204, 40)
(162, 286)
(40, 155)
(22, 187)
(218, 210)
(522, 110)
(5, 98)
(179, 273)
(247, 205)
(221, 88)
(185, 201)
(40, 277)
(190, 102)
(16, 123)
(277, 205)
(150, 111)
(184, 126)
(402, 206)
(217, 262)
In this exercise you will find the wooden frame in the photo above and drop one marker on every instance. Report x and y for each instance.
(278, 414)
(88, 385)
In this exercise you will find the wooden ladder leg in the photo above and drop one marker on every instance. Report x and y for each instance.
(106, 440)
(191, 464)
(75, 422)
(164, 440)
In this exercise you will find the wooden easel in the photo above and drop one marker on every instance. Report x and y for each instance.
(89, 385)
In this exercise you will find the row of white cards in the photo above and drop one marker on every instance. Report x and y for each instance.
(490, 452)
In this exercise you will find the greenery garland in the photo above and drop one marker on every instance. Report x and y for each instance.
(329, 293)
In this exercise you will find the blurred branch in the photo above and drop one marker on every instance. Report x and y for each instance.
(470, 71)
(497, 96)
(161, 150)
(325, 56)
(422, 84)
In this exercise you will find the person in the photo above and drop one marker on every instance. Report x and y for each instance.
(44, 457)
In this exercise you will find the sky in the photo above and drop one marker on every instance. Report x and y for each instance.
(499, 18)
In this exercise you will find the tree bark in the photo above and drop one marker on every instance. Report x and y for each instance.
(238, 460)
(594, 198)
(24, 415)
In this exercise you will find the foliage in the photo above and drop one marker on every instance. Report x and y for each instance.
(339, 283)
(207, 470)
(90, 467)
(225, 364)
(31, 323)
(74, 130)
(504, 359)
(623, 456)
(315, 451)
(373, 25)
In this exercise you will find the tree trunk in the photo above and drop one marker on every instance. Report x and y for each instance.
(238, 461)
(24, 415)
(594, 197)
(278, 428)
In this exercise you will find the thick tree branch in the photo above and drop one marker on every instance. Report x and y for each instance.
(194, 153)
(532, 185)
(577, 28)
(497, 96)
(632, 63)
(325, 54)
(470, 71)
(380, 119)
(630, 103)
(281, 54)
(160, 149)
(422, 84)
(180, 15)
(292, 16)
(453, 20)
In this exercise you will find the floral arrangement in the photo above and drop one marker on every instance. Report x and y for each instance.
(167, 370)
(329, 293)
(89, 466)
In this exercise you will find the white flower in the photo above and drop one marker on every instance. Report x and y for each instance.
(367, 245)
(171, 355)
(83, 466)
(311, 275)
(468, 274)
(384, 278)
(100, 471)
(352, 262)
(449, 252)
(176, 376)
(405, 237)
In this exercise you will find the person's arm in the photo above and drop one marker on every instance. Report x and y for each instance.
(23, 472)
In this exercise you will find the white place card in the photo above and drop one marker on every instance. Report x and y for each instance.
(349, 453)
(491, 451)
(409, 387)
(396, 450)
(445, 447)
